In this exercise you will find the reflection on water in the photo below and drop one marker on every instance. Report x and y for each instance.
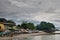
(43, 37)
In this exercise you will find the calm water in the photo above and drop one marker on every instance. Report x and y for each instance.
(47, 37)
(43, 37)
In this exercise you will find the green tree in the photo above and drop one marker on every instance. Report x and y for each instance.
(43, 26)
(11, 22)
(31, 26)
(3, 20)
(49, 27)
(24, 25)
(18, 26)
(38, 27)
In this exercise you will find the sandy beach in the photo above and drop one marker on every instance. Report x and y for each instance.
(24, 35)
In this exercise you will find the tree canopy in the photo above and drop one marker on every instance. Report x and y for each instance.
(3, 20)
(26, 25)
(31, 26)
(45, 26)
(12, 22)
(18, 26)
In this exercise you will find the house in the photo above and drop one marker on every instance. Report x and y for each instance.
(4, 26)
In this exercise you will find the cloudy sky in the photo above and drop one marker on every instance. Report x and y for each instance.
(31, 10)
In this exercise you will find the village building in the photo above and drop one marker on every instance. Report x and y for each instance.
(4, 26)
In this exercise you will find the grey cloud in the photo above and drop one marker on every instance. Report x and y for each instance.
(56, 20)
(28, 9)
(7, 6)
(46, 5)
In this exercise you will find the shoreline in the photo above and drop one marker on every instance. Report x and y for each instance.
(24, 35)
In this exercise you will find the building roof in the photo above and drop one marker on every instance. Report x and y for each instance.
(6, 23)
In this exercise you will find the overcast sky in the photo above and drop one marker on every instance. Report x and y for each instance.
(31, 10)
